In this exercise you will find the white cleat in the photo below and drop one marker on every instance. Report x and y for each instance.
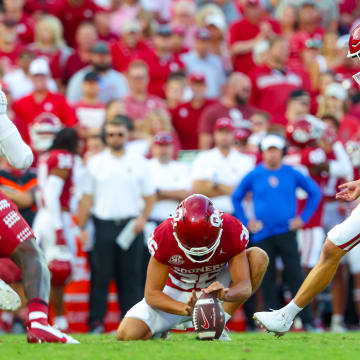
(9, 299)
(225, 336)
(275, 322)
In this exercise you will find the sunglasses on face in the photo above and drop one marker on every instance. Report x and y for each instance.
(117, 134)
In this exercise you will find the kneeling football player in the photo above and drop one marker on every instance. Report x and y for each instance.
(199, 249)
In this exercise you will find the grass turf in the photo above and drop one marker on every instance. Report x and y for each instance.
(256, 346)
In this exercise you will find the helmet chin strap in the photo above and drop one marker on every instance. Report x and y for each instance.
(201, 251)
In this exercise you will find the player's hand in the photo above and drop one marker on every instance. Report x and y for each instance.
(189, 306)
(217, 289)
(3, 102)
(350, 191)
(139, 225)
(60, 238)
(255, 225)
(296, 223)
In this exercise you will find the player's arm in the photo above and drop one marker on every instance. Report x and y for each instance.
(22, 200)
(53, 188)
(240, 289)
(157, 275)
(18, 154)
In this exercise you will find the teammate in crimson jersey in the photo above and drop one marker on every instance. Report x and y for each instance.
(199, 249)
(19, 244)
(52, 224)
(341, 239)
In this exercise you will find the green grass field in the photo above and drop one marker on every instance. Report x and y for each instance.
(184, 347)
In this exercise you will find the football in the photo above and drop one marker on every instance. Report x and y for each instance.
(208, 317)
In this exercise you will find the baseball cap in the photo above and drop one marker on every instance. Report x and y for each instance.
(252, 2)
(92, 76)
(224, 123)
(163, 138)
(308, 2)
(164, 30)
(216, 20)
(336, 90)
(178, 30)
(101, 47)
(272, 140)
(39, 66)
(197, 77)
(131, 27)
(242, 134)
(202, 34)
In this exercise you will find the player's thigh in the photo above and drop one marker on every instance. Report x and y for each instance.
(133, 329)
(346, 235)
(14, 230)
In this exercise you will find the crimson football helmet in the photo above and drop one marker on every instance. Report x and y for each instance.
(43, 131)
(354, 48)
(353, 149)
(305, 131)
(197, 228)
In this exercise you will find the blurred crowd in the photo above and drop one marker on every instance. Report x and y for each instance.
(173, 97)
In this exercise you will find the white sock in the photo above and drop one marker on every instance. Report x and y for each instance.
(227, 317)
(337, 318)
(291, 309)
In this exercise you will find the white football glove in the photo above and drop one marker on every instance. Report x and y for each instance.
(3, 102)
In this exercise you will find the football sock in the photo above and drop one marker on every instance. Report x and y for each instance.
(227, 317)
(291, 309)
(337, 319)
(38, 311)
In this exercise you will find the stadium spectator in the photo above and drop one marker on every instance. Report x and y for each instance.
(201, 59)
(297, 105)
(272, 82)
(178, 40)
(72, 13)
(159, 120)
(90, 111)
(41, 100)
(129, 47)
(260, 124)
(175, 89)
(271, 183)
(20, 75)
(248, 31)
(139, 102)
(170, 177)
(216, 172)
(102, 25)
(162, 61)
(288, 16)
(85, 39)
(114, 201)
(49, 43)
(186, 116)
(14, 10)
(113, 108)
(125, 11)
(113, 84)
(335, 102)
(309, 19)
(233, 104)
(9, 45)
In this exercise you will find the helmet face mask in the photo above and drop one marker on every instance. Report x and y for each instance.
(354, 49)
(197, 228)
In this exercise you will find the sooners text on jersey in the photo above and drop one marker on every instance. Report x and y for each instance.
(185, 275)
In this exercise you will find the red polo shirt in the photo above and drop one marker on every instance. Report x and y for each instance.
(271, 88)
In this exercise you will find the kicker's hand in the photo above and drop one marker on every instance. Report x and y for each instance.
(350, 191)
(217, 289)
(189, 306)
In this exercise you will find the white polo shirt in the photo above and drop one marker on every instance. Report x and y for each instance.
(171, 176)
(212, 165)
(118, 185)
